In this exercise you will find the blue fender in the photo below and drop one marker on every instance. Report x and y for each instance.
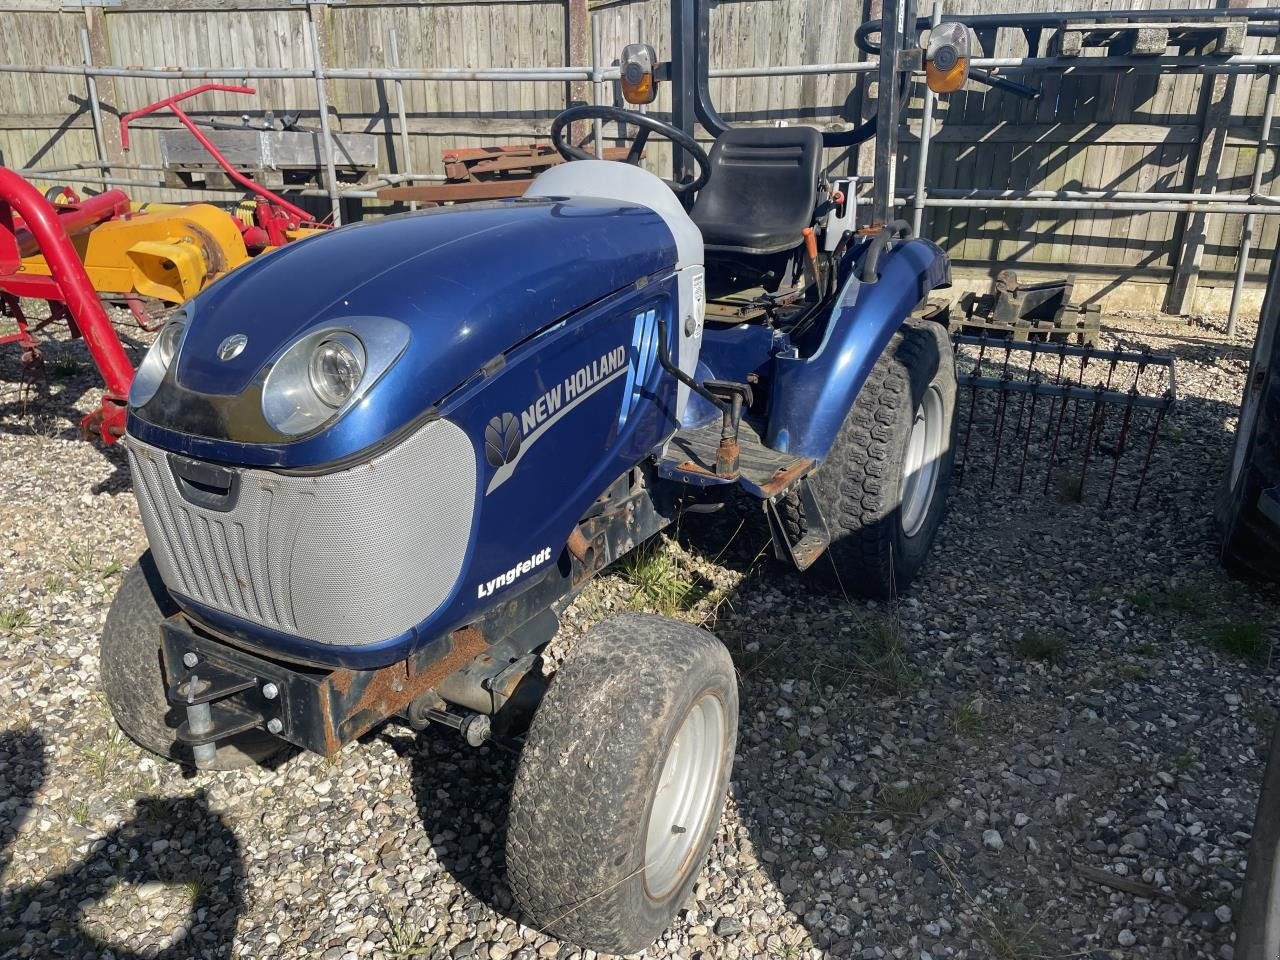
(812, 395)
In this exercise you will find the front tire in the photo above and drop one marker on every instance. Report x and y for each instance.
(133, 676)
(622, 781)
(883, 487)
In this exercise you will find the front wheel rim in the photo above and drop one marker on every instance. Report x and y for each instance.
(683, 803)
(922, 464)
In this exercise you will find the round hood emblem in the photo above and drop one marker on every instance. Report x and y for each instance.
(232, 347)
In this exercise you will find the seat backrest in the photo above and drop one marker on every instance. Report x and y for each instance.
(762, 190)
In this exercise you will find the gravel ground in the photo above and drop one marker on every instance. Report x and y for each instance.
(1072, 699)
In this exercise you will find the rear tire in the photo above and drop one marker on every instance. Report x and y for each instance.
(883, 487)
(635, 738)
(134, 682)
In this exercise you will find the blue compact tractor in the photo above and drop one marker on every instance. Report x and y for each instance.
(373, 466)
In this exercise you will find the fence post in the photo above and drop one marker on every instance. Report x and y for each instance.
(1217, 91)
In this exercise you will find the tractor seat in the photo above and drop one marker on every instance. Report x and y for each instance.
(762, 189)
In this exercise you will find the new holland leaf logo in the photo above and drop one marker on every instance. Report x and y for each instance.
(507, 438)
(502, 439)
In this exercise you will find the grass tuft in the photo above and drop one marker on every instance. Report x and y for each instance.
(66, 366)
(1042, 645)
(1011, 938)
(13, 619)
(662, 585)
(405, 939)
(968, 718)
(902, 800)
(1070, 488)
(1246, 640)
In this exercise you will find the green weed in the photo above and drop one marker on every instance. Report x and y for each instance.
(1041, 645)
(1246, 640)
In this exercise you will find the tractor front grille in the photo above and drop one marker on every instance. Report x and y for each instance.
(345, 558)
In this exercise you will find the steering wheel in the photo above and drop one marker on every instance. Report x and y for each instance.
(647, 125)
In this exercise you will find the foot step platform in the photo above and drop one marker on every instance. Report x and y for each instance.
(763, 471)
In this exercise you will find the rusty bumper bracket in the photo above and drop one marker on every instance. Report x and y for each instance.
(816, 537)
(319, 710)
(211, 716)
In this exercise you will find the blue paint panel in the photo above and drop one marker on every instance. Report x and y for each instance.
(557, 477)
(811, 396)
(471, 282)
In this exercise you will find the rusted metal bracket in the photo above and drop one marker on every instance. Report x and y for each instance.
(816, 538)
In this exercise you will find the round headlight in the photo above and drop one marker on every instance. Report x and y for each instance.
(166, 344)
(336, 368)
(157, 362)
(315, 378)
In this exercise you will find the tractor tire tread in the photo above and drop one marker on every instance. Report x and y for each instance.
(859, 515)
(580, 788)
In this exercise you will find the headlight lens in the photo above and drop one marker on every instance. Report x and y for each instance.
(315, 378)
(157, 361)
(336, 368)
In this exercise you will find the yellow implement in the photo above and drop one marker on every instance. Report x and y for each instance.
(169, 252)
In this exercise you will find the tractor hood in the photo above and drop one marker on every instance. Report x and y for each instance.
(440, 293)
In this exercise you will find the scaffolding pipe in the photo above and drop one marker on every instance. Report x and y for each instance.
(58, 175)
(926, 137)
(95, 109)
(1246, 232)
(1103, 205)
(495, 74)
(326, 133)
(1236, 63)
(980, 194)
(597, 87)
(406, 159)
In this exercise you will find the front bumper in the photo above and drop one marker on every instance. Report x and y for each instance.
(318, 710)
(329, 562)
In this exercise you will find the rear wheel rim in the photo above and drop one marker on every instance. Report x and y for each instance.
(684, 800)
(921, 466)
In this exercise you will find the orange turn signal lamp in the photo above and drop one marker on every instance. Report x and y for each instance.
(637, 79)
(946, 63)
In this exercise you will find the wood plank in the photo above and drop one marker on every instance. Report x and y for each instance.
(448, 192)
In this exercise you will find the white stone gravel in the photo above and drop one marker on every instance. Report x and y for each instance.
(909, 784)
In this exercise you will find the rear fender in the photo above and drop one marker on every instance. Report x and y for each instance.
(812, 395)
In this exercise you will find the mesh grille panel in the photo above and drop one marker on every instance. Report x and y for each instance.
(350, 557)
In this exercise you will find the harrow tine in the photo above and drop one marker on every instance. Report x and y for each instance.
(1026, 437)
(1120, 442)
(1104, 408)
(1004, 392)
(999, 428)
(973, 406)
(1075, 413)
(1091, 437)
(1053, 401)
(1151, 447)
(1053, 452)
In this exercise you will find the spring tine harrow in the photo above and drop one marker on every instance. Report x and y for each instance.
(1109, 395)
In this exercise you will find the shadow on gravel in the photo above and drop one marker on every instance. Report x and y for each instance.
(50, 405)
(461, 794)
(170, 845)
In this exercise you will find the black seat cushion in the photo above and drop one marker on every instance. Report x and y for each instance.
(762, 189)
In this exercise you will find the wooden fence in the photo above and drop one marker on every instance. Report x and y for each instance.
(1126, 130)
